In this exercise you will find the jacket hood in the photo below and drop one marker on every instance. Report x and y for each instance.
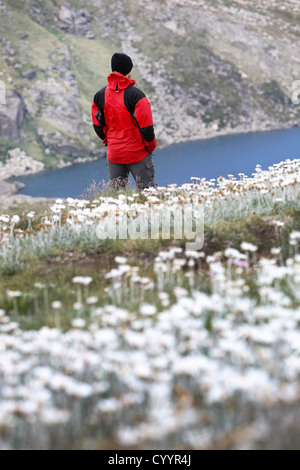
(117, 81)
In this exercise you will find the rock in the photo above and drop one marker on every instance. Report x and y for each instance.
(82, 18)
(5, 188)
(99, 153)
(90, 35)
(8, 189)
(55, 102)
(19, 164)
(62, 164)
(70, 151)
(76, 20)
(11, 116)
(66, 15)
(18, 185)
(14, 153)
(16, 199)
(29, 74)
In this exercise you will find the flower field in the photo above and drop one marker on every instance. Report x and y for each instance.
(142, 344)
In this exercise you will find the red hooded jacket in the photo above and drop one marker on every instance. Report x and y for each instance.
(122, 118)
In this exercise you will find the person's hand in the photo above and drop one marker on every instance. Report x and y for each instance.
(150, 147)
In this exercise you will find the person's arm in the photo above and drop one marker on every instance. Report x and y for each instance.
(143, 116)
(98, 116)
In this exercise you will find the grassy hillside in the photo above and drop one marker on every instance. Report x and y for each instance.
(207, 67)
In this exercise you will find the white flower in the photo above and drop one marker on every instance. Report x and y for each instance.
(248, 247)
(113, 273)
(92, 300)
(148, 310)
(232, 253)
(15, 219)
(163, 296)
(13, 293)
(180, 292)
(56, 305)
(84, 280)
(77, 306)
(275, 251)
(39, 285)
(124, 268)
(120, 260)
(78, 323)
(54, 416)
(295, 236)
(278, 223)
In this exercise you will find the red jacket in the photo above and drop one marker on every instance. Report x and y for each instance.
(122, 118)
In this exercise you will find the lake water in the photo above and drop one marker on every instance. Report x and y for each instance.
(210, 158)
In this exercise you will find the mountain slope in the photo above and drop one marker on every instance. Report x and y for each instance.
(208, 67)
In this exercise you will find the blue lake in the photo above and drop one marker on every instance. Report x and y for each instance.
(210, 158)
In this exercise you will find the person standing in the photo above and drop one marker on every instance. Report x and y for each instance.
(122, 119)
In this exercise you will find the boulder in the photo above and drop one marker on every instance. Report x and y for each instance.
(8, 189)
(66, 15)
(90, 35)
(70, 151)
(19, 164)
(29, 74)
(82, 18)
(75, 20)
(11, 117)
(15, 200)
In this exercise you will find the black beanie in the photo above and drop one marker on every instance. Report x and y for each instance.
(121, 63)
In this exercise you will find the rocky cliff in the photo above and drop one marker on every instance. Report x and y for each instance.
(208, 67)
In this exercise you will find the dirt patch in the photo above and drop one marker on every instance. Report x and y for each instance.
(265, 235)
(262, 233)
(98, 262)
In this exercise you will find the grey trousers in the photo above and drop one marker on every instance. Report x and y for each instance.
(143, 173)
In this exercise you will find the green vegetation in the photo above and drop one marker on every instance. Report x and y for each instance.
(105, 326)
(56, 268)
